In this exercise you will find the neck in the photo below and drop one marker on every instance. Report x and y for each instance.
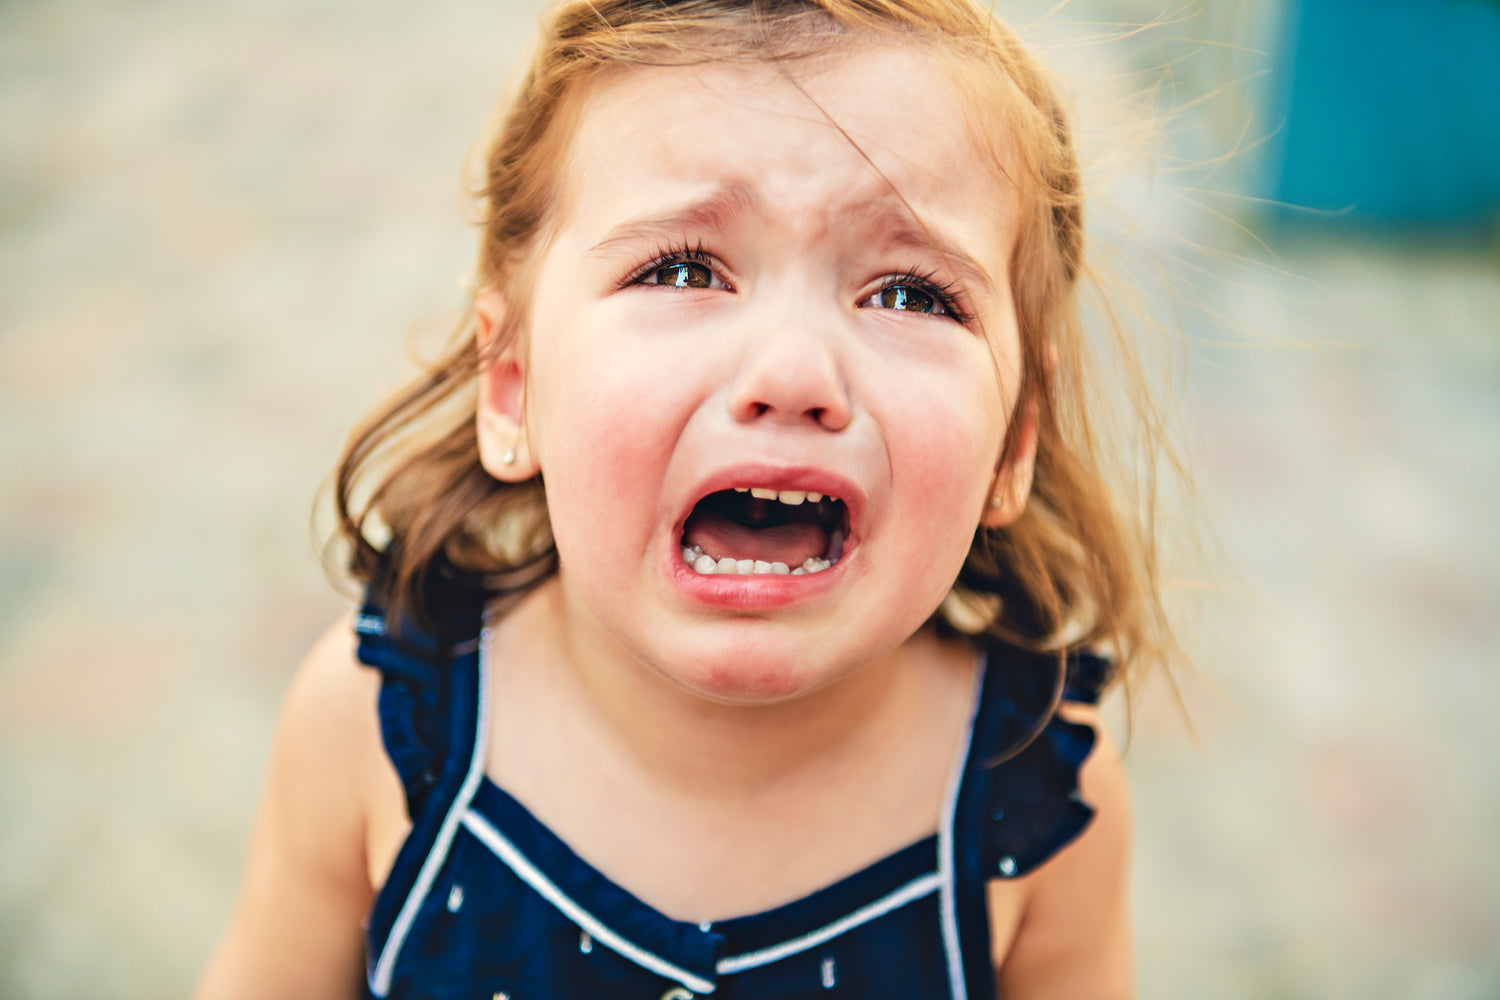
(610, 704)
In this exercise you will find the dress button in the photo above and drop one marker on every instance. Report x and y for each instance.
(1007, 866)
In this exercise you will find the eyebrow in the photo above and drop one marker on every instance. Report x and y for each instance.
(907, 232)
(712, 212)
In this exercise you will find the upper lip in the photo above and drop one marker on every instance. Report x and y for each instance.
(806, 479)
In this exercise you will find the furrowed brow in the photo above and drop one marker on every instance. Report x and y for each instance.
(897, 228)
(713, 212)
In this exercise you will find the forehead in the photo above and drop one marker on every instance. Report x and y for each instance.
(866, 137)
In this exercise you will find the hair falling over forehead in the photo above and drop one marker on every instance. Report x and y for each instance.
(436, 537)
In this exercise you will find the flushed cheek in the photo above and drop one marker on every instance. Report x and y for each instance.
(603, 497)
(946, 474)
(611, 443)
(951, 442)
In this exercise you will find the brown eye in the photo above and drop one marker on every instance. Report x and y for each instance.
(683, 274)
(908, 298)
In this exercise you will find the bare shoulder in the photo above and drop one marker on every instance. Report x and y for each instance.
(295, 928)
(330, 707)
(327, 756)
(1074, 935)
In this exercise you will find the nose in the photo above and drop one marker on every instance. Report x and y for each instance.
(791, 373)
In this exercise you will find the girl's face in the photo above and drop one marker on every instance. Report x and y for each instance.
(758, 285)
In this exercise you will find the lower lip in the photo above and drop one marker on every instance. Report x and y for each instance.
(754, 591)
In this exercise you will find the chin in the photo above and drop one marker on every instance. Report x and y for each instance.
(746, 679)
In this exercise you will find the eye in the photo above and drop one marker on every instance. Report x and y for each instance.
(679, 266)
(907, 298)
(683, 274)
(918, 293)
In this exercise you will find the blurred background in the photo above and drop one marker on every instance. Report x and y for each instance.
(219, 224)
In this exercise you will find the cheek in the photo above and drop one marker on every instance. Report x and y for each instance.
(946, 458)
(950, 430)
(952, 468)
(949, 471)
(605, 433)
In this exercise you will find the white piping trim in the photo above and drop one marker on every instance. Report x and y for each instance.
(380, 978)
(948, 901)
(911, 891)
(369, 624)
(590, 924)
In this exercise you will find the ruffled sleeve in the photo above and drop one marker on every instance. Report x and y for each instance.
(413, 701)
(1031, 802)
(1018, 803)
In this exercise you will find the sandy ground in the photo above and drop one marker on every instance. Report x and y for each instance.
(217, 226)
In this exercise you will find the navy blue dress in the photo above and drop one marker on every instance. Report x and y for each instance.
(484, 902)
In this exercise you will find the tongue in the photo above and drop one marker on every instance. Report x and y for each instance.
(792, 544)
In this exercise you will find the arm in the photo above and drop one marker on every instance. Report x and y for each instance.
(295, 930)
(1074, 938)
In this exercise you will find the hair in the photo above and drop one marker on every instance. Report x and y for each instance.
(436, 538)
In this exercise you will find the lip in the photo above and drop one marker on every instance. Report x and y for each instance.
(760, 592)
(765, 591)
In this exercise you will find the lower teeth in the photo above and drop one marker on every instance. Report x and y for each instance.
(706, 565)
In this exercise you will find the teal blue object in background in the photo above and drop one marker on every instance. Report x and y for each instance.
(1390, 113)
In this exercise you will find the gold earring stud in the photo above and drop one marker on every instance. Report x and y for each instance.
(997, 501)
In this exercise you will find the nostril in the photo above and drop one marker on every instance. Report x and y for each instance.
(790, 390)
(832, 418)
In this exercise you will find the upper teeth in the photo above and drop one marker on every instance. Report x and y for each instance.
(791, 497)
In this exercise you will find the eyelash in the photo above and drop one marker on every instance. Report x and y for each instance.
(947, 293)
(666, 256)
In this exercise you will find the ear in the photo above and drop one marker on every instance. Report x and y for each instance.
(1013, 479)
(504, 448)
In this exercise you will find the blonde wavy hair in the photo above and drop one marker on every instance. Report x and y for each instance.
(436, 538)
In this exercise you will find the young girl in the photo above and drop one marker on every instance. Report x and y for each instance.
(731, 583)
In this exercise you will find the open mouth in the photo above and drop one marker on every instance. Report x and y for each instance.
(754, 530)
